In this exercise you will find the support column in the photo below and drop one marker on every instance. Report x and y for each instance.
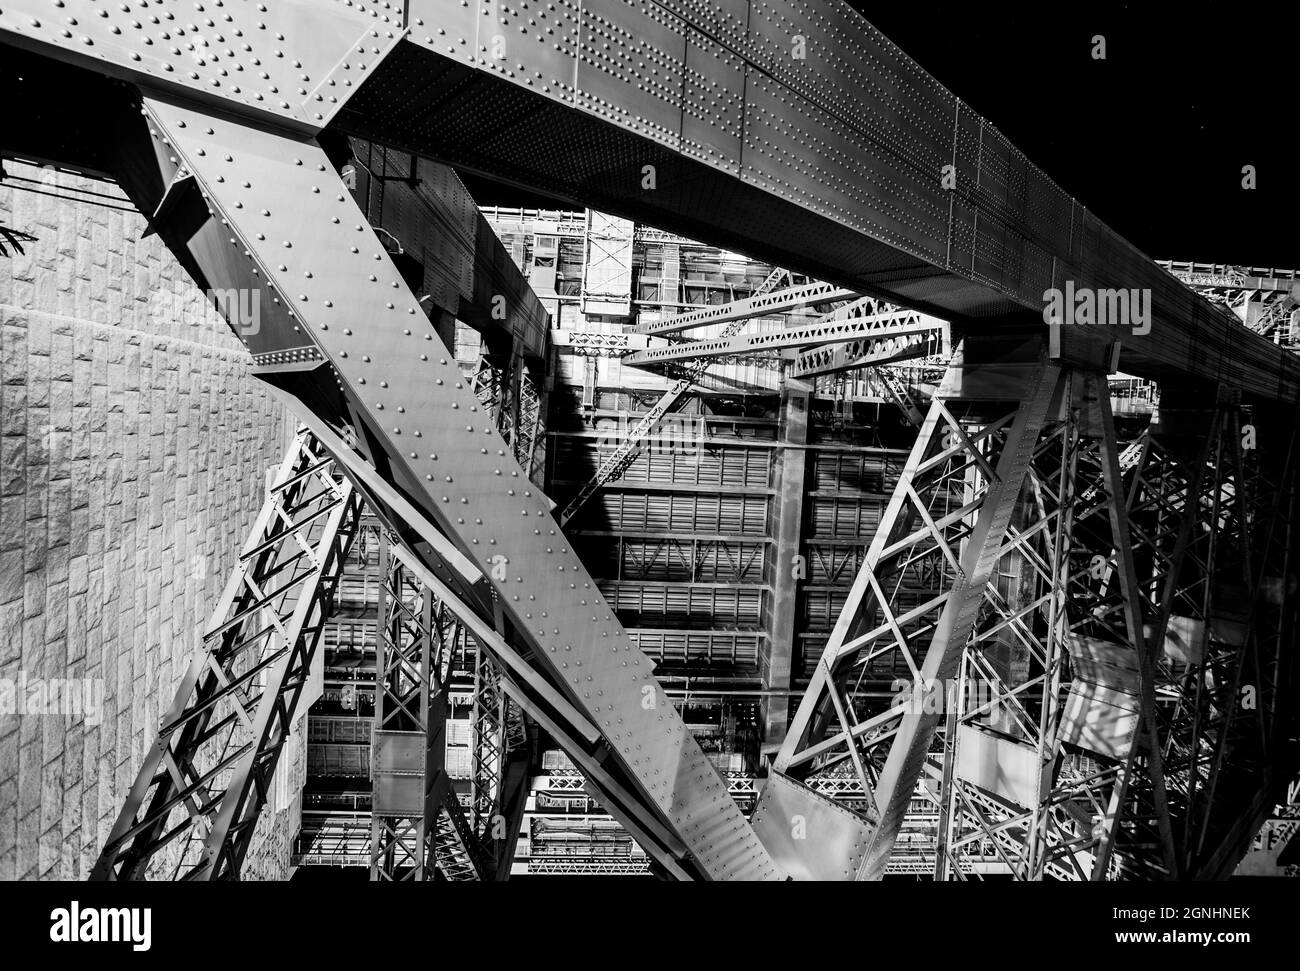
(944, 528)
(915, 730)
(418, 824)
(789, 566)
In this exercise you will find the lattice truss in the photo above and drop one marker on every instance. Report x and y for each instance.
(510, 391)
(499, 728)
(1224, 607)
(196, 800)
(418, 823)
(1051, 678)
(908, 595)
(1073, 650)
(1266, 299)
(888, 334)
(625, 453)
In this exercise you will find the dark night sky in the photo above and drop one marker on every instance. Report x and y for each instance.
(1153, 139)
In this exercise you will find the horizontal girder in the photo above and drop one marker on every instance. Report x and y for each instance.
(804, 162)
(759, 305)
(834, 327)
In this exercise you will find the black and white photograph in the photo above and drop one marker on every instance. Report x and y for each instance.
(593, 445)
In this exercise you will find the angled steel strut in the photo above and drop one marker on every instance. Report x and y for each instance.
(196, 800)
(762, 303)
(1066, 615)
(912, 609)
(346, 340)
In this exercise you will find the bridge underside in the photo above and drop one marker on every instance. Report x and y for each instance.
(1121, 750)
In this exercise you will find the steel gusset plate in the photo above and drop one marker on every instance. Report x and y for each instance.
(293, 61)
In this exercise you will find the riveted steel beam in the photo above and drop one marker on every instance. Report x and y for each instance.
(294, 64)
(281, 221)
(863, 203)
(867, 207)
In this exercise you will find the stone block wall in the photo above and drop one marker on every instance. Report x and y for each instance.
(133, 448)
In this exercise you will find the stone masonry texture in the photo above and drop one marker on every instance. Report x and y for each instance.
(134, 443)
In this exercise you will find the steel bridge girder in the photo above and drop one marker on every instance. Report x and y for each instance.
(305, 237)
